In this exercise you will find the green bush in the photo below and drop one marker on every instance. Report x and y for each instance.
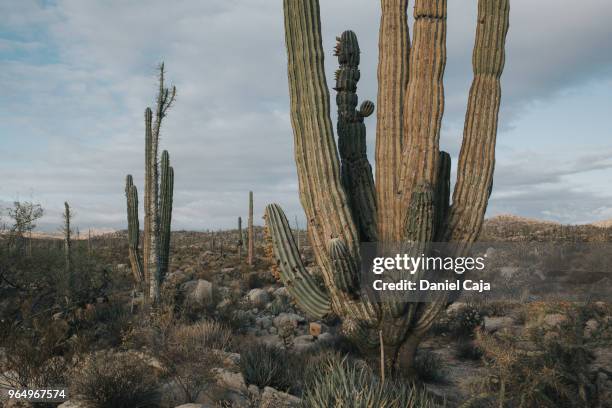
(115, 380)
(344, 384)
(429, 366)
(465, 320)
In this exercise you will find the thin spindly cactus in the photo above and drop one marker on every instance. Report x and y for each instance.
(150, 274)
(410, 199)
(251, 243)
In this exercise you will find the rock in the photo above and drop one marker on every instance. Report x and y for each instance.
(455, 307)
(281, 292)
(590, 327)
(198, 292)
(301, 343)
(326, 337)
(73, 404)
(271, 398)
(315, 329)
(258, 297)
(264, 322)
(554, 319)
(230, 380)
(292, 318)
(508, 271)
(192, 405)
(493, 324)
(228, 270)
(273, 330)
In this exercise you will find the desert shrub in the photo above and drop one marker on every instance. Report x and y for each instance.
(115, 380)
(429, 366)
(35, 355)
(191, 352)
(556, 375)
(467, 350)
(281, 304)
(345, 384)
(266, 366)
(465, 320)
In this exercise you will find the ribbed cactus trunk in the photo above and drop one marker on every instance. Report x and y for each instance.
(410, 200)
(158, 196)
(251, 244)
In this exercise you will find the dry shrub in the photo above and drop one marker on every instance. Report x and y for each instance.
(555, 375)
(189, 354)
(115, 380)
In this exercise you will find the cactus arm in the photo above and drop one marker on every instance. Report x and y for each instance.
(356, 172)
(442, 195)
(165, 207)
(424, 103)
(477, 155)
(346, 278)
(393, 58)
(302, 287)
(131, 194)
(321, 193)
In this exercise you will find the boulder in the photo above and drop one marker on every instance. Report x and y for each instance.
(198, 292)
(285, 318)
(230, 380)
(73, 404)
(264, 322)
(258, 297)
(590, 327)
(271, 398)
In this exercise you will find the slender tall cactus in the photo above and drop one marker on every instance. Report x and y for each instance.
(151, 273)
(251, 244)
(239, 242)
(410, 200)
(68, 246)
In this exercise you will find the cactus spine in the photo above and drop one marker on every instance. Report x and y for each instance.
(410, 199)
(151, 272)
(250, 227)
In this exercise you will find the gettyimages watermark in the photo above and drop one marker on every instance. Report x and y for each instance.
(424, 272)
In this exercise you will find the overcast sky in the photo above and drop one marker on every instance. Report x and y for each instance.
(76, 76)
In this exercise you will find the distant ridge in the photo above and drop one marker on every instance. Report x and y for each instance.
(504, 219)
(603, 224)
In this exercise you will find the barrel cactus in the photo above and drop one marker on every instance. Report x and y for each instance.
(409, 199)
(150, 273)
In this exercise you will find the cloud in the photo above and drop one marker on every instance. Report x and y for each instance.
(75, 88)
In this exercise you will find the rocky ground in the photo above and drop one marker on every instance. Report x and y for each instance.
(475, 347)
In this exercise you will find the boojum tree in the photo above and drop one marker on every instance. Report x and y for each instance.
(409, 198)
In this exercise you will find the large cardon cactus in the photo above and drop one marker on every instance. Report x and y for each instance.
(150, 274)
(409, 199)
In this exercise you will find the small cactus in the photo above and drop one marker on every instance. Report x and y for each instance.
(251, 244)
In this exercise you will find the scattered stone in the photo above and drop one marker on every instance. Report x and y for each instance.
(231, 269)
